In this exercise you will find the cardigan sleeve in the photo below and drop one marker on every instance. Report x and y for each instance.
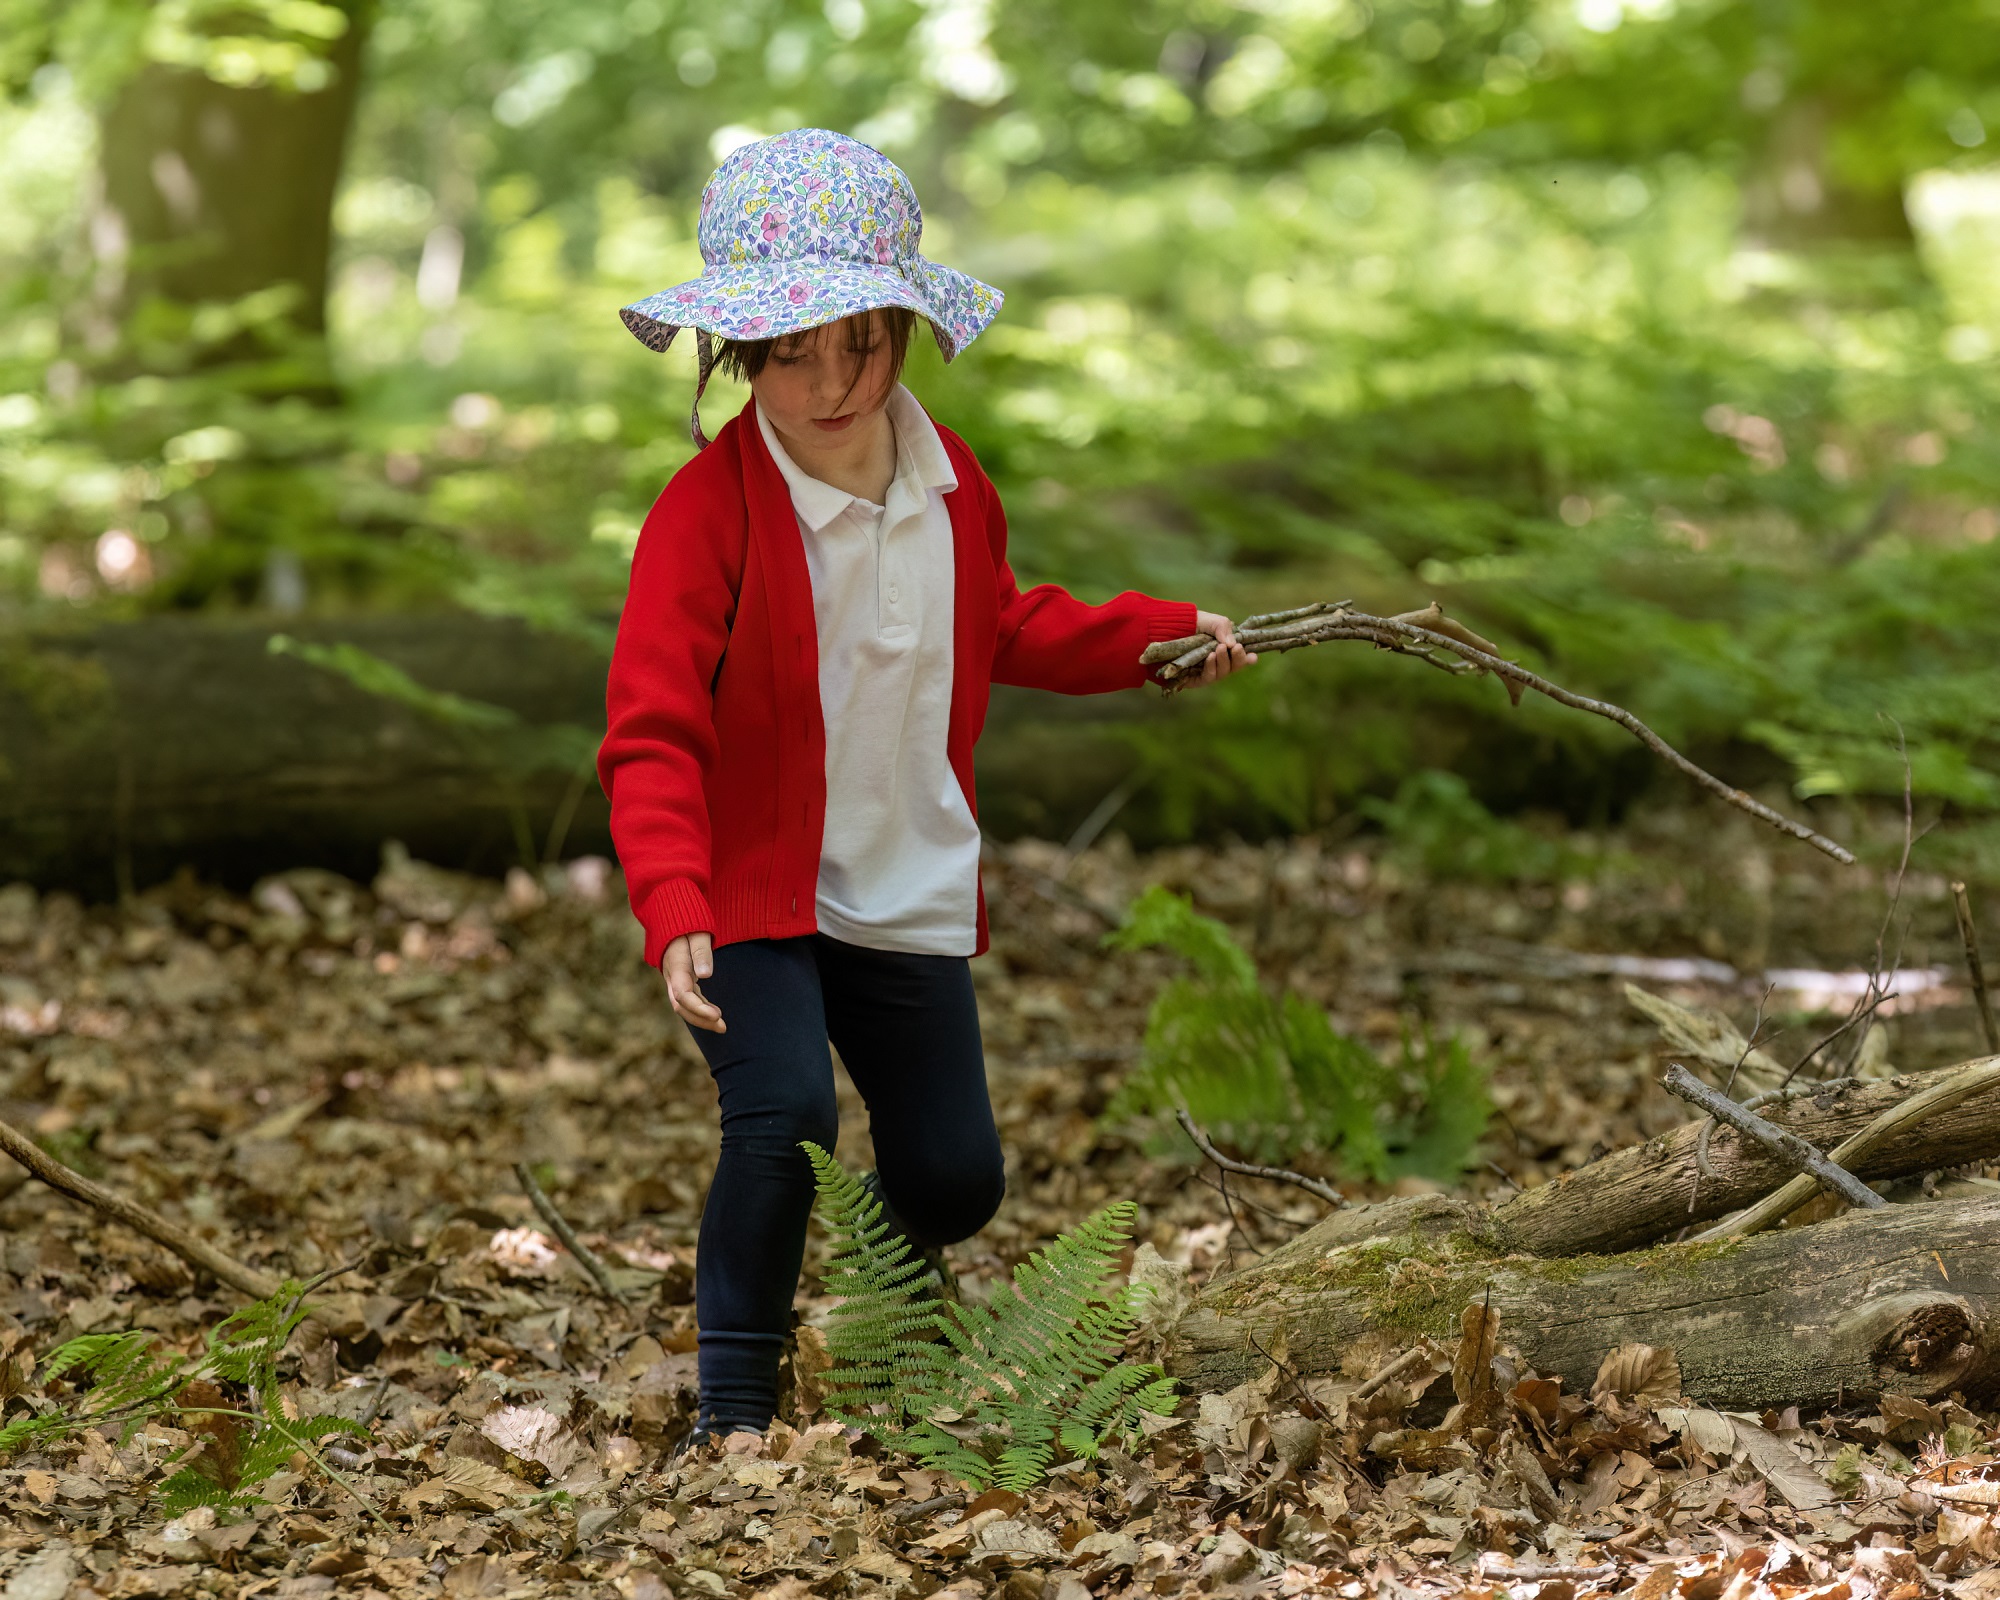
(1049, 639)
(660, 741)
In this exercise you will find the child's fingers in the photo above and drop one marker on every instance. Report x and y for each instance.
(690, 959)
(699, 1012)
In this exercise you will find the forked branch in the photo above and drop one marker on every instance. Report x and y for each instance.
(1323, 622)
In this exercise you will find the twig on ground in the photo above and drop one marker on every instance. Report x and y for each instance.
(586, 1257)
(141, 1219)
(1409, 1360)
(1178, 658)
(923, 1508)
(1941, 1096)
(1314, 1186)
(1529, 1572)
(1787, 1147)
(375, 1402)
(1968, 934)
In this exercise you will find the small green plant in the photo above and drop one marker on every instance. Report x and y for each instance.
(988, 1393)
(128, 1379)
(1437, 826)
(1275, 1078)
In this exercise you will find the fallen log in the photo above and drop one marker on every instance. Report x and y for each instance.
(1905, 1300)
(1647, 1192)
(131, 749)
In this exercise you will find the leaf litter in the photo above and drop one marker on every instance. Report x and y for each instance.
(323, 1074)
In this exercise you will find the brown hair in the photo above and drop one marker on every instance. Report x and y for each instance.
(744, 358)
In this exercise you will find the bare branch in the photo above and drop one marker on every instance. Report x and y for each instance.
(141, 1219)
(1178, 658)
(1787, 1147)
(1941, 1096)
(1968, 934)
(586, 1257)
(1315, 1186)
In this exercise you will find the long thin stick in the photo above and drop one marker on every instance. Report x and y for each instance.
(1941, 1096)
(1186, 655)
(1787, 1147)
(586, 1257)
(1325, 1191)
(1968, 934)
(140, 1219)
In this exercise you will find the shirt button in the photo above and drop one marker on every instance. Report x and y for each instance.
(895, 594)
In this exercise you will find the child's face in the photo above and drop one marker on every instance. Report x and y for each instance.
(825, 384)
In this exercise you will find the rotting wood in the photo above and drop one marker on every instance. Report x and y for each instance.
(1855, 1306)
(1980, 1077)
(1638, 1195)
(141, 1219)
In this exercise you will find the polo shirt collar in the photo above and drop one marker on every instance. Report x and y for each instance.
(921, 462)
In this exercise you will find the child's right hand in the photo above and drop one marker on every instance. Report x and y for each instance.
(688, 960)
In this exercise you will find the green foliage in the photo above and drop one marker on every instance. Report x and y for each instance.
(523, 748)
(127, 1378)
(1437, 825)
(991, 1393)
(1273, 1077)
(1493, 303)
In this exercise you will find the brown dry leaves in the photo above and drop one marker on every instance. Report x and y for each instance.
(323, 1072)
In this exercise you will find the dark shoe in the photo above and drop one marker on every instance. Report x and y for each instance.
(688, 1443)
(938, 1282)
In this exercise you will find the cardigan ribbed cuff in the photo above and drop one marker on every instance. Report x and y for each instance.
(678, 906)
(1169, 619)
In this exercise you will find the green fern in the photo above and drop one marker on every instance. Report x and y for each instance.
(1274, 1078)
(992, 1393)
(129, 1378)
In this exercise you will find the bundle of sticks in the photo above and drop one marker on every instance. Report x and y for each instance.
(1449, 645)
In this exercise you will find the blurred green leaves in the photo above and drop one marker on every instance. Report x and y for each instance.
(1584, 320)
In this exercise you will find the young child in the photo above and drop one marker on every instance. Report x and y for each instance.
(819, 601)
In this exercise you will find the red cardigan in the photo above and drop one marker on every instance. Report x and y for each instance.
(715, 755)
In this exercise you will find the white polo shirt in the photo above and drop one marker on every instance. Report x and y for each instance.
(899, 861)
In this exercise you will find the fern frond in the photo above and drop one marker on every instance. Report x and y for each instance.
(244, 1347)
(189, 1488)
(989, 1393)
(124, 1370)
(1272, 1077)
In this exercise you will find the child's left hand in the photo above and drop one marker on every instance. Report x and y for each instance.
(1228, 656)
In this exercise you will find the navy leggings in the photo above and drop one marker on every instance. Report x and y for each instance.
(907, 1028)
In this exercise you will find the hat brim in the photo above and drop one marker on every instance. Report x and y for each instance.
(769, 299)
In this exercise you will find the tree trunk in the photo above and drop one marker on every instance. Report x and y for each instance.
(1903, 1300)
(1795, 198)
(218, 192)
(1652, 1190)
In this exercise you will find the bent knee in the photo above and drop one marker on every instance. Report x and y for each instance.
(948, 1201)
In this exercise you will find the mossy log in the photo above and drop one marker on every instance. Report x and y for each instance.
(130, 749)
(1904, 1300)
(1641, 1194)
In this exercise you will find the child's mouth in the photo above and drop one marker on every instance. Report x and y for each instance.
(833, 424)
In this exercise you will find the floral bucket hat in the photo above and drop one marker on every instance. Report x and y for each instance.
(800, 230)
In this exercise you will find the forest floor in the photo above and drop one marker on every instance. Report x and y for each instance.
(323, 1073)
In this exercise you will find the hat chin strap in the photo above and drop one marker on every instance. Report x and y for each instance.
(704, 348)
